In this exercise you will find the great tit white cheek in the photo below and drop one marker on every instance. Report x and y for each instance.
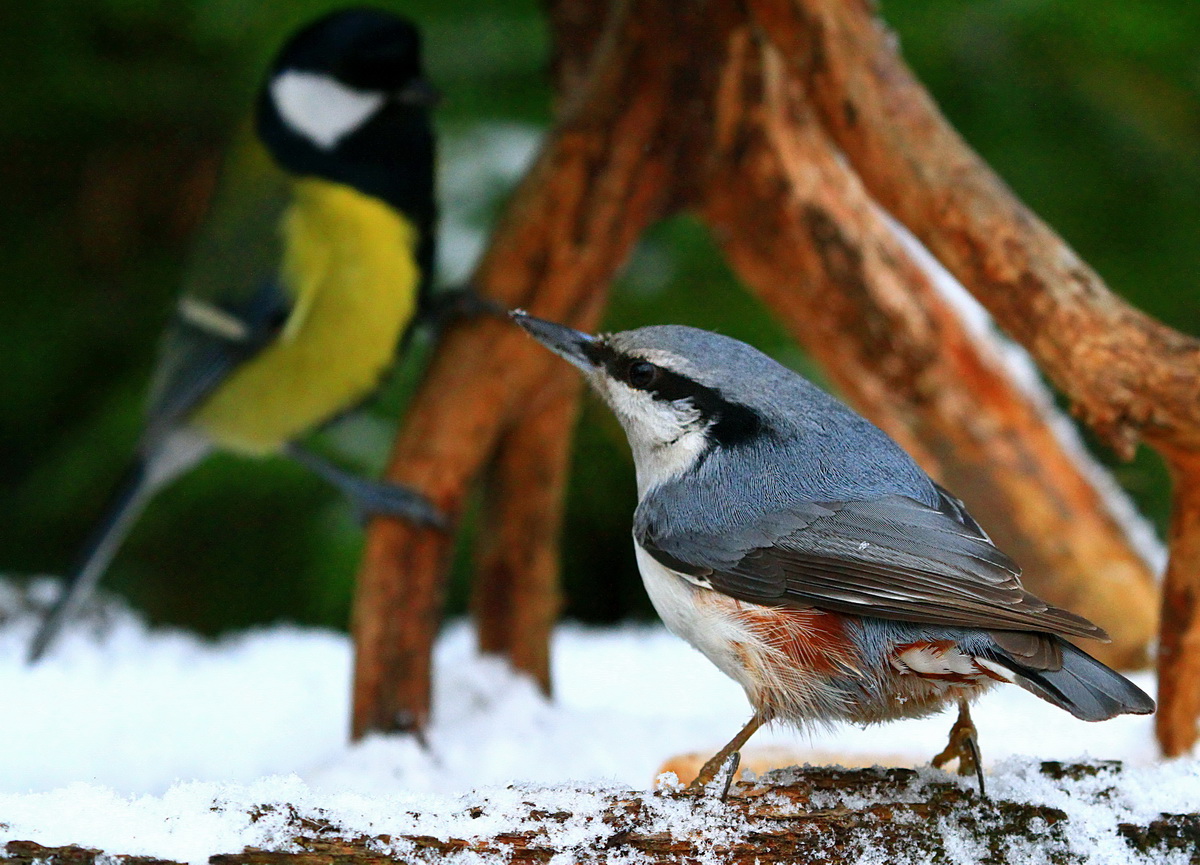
(320, 108)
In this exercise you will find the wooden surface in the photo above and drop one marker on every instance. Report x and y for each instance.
(798, 815)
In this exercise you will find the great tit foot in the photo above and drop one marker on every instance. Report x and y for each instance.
(452, 304)
(371, 498)
(381, 499)
(964, 746)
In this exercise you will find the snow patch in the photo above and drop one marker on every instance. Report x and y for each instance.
(155, 742)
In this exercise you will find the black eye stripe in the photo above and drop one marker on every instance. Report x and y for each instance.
(731, 423)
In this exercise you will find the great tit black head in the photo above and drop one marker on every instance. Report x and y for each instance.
(346, 101)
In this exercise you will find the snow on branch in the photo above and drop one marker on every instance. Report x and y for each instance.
(1048, 811)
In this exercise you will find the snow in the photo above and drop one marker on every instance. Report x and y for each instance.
(156, 742)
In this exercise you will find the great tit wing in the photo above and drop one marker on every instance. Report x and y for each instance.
(891, 558)
(233, 303)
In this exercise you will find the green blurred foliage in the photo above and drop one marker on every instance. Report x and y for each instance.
(115, 112)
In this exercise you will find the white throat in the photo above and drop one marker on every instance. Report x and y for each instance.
(320, 108)
(666, 438)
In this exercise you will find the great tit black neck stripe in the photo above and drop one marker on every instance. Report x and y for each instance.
(730, 423)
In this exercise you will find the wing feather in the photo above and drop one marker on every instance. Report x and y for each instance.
(892, 557)
(233, 275)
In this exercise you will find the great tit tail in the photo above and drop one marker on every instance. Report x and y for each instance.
(141, 480)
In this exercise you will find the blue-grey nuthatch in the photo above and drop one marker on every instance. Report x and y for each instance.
(806, 555)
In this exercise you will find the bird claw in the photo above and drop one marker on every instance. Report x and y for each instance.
(964, 746)
(381, 499)
(730, 756)
(730, 768)
(724, 762)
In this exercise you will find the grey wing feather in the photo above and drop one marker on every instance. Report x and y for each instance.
(891, 558)
(233, 277)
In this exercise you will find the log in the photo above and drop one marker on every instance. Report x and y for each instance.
(795, 815)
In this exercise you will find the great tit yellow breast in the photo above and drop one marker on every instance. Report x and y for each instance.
(349, 267)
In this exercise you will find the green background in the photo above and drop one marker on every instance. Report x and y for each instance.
(114, 114)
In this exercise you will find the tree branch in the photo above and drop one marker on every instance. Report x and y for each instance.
(1179, 649)
(1126, 374)
(801, 231)
(602, 177)
(515, 592)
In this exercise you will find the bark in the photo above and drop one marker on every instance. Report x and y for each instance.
(515, 595)
(799, 815)
(515, 591)
(800, 230)
(1127, 375)
(1179, 649)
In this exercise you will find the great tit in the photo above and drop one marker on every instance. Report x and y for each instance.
(309, 271)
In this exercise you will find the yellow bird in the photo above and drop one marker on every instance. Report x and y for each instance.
(312, 266)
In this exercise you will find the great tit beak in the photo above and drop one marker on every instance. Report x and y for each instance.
(418, 93)
(571, 345)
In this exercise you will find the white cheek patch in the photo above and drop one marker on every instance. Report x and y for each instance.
(666, 438)
(321, 109)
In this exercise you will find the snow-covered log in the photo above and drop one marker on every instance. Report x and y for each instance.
(793, 815)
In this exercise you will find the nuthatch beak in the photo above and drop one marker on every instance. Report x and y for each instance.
(574, 346)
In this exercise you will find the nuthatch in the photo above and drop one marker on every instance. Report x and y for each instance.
(806, 555)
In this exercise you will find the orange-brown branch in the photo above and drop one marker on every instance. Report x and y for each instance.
(515, 595)
(801, 231)
(1179, 649)
(1126, 374)
(602, 177)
